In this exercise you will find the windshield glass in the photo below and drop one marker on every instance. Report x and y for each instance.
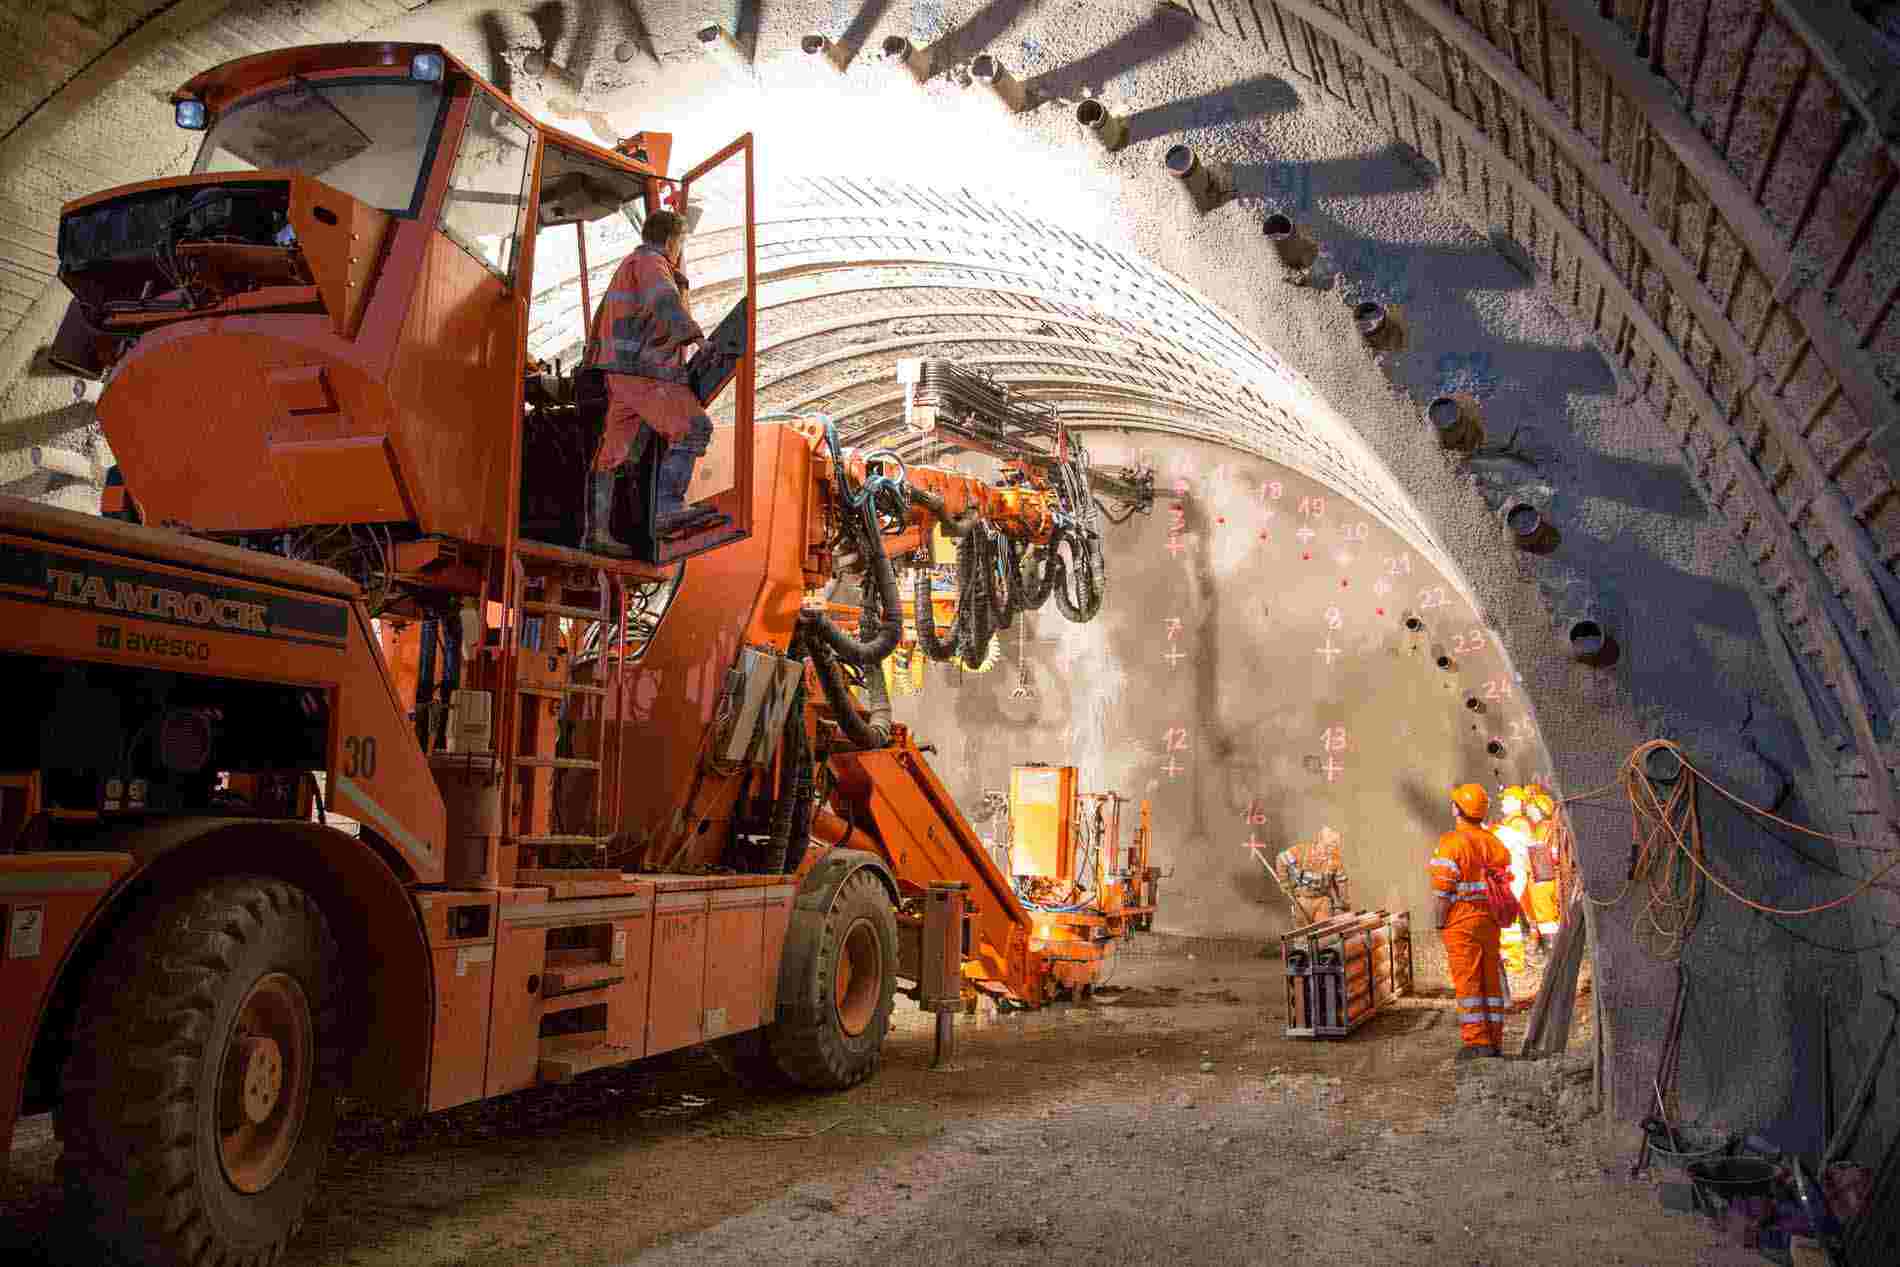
(367, 138)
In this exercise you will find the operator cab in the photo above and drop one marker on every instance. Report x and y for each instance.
(414, 263)
(589, 219)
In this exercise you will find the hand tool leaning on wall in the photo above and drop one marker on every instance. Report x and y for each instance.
(1850, 1126)
(1672, 1038)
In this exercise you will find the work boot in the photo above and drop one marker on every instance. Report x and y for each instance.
(596, 536)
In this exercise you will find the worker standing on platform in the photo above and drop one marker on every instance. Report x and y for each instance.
(644, 336)
(1465, 856)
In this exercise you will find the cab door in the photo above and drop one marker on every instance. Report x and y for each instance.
(460, 364)
(721, 263)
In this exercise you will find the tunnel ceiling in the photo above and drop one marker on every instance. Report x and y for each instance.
(856, 274)
(1711, 200)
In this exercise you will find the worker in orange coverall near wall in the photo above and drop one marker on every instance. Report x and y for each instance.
(644, 335)
(1458, 868)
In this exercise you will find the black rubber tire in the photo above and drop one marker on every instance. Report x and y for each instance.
(748, 1058)
(138, 1117)
(808, 1043)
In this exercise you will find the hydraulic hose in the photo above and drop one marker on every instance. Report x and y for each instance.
(425, 682)
(953, 525)
(1038, 577)
(939, 649)
(890, 624)
(997, 572)
(975, 623)
(1082, 608)
(794, 768)
(838, 697)
(879, 696)
(804, 799)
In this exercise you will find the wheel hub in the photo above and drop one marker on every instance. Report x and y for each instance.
(266, 1076)
(261, 1062)
(860, 978)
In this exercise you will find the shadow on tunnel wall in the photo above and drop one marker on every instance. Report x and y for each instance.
(1164, 31)
(1752, 1017)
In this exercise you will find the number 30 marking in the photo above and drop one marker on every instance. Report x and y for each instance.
(359, 757)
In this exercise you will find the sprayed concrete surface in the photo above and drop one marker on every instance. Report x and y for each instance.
(1250, 674)
(1080, 1134)
(1640, 550)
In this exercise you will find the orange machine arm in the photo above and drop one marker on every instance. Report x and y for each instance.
(1023, 512)
(894, 797)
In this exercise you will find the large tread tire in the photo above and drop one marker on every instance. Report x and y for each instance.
(748, 1059)
(810, 1044)
(139, 1115)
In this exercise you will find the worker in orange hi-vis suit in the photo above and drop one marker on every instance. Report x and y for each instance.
(1465, 855)
(644, 336)
(1313, 875)
(1540, 898)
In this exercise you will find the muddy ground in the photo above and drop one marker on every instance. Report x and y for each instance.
(1081, 1134)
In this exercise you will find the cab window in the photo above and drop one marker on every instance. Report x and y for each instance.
(489, 185)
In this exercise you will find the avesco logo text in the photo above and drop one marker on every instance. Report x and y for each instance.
(113, 638)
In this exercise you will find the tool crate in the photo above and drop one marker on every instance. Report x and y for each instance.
(1341, 971)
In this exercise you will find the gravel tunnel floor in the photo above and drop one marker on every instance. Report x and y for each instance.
(1080, 1134)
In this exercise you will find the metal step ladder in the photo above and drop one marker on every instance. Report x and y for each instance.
(558, 606)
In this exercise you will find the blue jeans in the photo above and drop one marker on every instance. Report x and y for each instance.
(676, 468)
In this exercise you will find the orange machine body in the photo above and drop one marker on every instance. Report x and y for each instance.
(417, 745)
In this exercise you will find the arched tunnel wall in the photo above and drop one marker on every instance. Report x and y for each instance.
(1662, 264)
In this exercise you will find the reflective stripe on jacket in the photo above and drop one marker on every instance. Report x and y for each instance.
(1464, 855)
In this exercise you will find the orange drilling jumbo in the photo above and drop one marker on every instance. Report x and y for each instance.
(346, 772)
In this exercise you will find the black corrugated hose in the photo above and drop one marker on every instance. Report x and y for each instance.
(872, 607)
(794, 781)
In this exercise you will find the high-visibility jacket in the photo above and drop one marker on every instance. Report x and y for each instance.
(642, 331)
(1543, 854)
(1312, 864)
(1464, 855)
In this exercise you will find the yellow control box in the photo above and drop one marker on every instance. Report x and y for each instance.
(1042, 821)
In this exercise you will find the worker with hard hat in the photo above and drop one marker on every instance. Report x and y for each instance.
(1540, 896)
(1513, 830)
(1465, 856)
(1312, 875)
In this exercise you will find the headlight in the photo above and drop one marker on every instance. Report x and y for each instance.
(191, 115)
(426, 67)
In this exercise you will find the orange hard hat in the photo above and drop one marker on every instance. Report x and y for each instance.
(1471, 799)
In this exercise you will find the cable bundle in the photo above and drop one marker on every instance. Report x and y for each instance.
(1668, 859)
